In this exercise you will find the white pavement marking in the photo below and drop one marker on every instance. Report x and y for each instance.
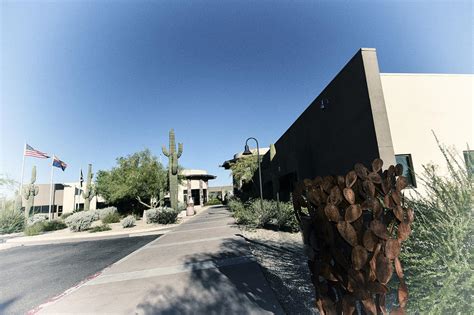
(164, 271)
(210, 239)
(202, 229)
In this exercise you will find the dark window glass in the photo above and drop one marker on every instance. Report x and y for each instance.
(408, 171)
(469, 159)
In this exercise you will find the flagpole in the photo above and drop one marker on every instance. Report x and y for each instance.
(51, 189)
(22, 173)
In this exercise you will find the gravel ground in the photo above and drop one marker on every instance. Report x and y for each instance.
(284, 264)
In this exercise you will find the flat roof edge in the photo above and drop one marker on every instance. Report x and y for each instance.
(429, 74)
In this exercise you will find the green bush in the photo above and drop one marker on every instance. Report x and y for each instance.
(251, 214)
(163, 215)
(36, 218)
(102, 213)
(439, 255)
(80, 221)
(11, 221)
(65, 215)
(100, 228)
(213, 202)
(112, 217)
(44, 226)
(128, 221)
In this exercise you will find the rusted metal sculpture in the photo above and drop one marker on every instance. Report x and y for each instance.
(353, 228)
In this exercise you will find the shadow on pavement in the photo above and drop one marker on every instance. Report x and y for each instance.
(232, 288)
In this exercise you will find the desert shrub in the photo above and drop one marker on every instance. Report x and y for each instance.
(285, 217)
(111, 217)
(65, 215)
(181, 206)
(80, 221)
(36, 218)
(235, 205)
(44, 226)
(128, 221)
(439, 255)
(167, 216)
(100, 228)
(34, 229)
(152, 215)
(213, 202)
(252, 214)
(11, 221)
(163, 215)
(102, 213)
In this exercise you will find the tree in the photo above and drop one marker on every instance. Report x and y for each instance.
(244, 168)
(136, 178)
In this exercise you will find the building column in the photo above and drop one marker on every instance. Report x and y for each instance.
(201, 193)
(189, 191)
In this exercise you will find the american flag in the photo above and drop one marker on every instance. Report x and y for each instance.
(29, 151)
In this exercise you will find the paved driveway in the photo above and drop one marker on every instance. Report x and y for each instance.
(31, 275)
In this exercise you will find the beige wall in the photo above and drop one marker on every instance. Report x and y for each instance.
(419, 103)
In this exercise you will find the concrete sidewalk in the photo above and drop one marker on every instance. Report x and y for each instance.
(200, 267)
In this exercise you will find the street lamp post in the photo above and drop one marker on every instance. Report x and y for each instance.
(248, 152)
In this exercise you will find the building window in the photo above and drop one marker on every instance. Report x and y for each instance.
(469, 159)
(408, 171)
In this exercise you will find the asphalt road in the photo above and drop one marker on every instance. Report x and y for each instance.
(31, 275)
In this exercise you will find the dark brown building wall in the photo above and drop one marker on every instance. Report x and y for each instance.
(330, 140)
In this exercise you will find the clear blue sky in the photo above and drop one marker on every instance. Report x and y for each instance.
(94, 80)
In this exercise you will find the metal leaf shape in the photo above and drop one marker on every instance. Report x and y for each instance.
(359, 257)
(397, 311)
(314, 197)
(376, 287)
(388, 201)
(404, 231)
(398, 212)
(353, 212)
(398, 169)
(349, 195)
(410, 215)
(402, 293)
(369, 240)
(396, 197)
(377, 165)
(384, 269)
(398, 268)
(361, 170)
(379, 229)
(341, 182)
(348, 304)
(332, 213)
(401, 183)
(327, 183)
(335, 196)
(375, 178)
(369, 306)
(392, 248)
(347, 232)
(369, 188)
(326, 273)
(377, 209)
(351, 178)
(373, 263)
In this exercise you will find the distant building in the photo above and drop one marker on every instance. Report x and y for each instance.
(195, 181)
(220, 192)
(363, 114)
(67, 197)
(237, 184)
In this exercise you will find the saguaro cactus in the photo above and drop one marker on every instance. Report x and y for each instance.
(173, 157)
(29, 192)
(89, 191)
